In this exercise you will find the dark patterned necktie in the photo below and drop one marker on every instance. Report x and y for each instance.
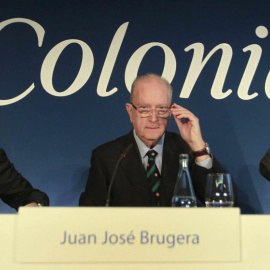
(153, 174)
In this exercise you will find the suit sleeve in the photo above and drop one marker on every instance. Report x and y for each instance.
(265, 165)
(198, 175)
(15, 190)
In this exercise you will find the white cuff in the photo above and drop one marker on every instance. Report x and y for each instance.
(206, 163)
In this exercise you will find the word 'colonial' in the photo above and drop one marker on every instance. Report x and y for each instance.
(197, 64)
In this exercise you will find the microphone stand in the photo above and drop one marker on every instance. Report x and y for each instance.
(123, 155)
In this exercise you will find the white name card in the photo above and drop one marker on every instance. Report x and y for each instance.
(127, 235)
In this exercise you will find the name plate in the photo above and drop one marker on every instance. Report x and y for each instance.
(105, 235)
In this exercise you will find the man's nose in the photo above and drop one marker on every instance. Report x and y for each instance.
(153, 116)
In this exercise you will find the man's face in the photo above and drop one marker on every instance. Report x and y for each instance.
(153, 93)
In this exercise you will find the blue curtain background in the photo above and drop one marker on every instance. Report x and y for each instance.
(50, 138)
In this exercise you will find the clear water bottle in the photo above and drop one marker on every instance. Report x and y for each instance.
(183, 195)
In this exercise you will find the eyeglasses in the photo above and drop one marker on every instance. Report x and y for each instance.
(162, 112)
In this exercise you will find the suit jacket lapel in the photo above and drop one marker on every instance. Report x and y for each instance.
(170, 166)
(134, 170)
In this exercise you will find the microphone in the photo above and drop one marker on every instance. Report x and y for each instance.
(123, 155)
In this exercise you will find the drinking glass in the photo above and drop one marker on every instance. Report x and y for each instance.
(219, 190)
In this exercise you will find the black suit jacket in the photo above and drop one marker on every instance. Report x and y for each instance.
(265, 165)
(130, 187)
(15, 190)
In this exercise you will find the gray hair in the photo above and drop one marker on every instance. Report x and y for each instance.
(148, 76)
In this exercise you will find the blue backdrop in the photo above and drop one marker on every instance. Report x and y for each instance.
(65, 74)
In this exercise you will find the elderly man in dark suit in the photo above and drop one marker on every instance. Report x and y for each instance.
(15, 190)
(149, 110)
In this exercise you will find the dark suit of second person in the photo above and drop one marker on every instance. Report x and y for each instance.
(15, 190)
(265, 165)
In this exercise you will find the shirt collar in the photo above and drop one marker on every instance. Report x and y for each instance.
(144, 149)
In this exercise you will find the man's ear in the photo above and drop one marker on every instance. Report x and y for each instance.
(129, 110)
